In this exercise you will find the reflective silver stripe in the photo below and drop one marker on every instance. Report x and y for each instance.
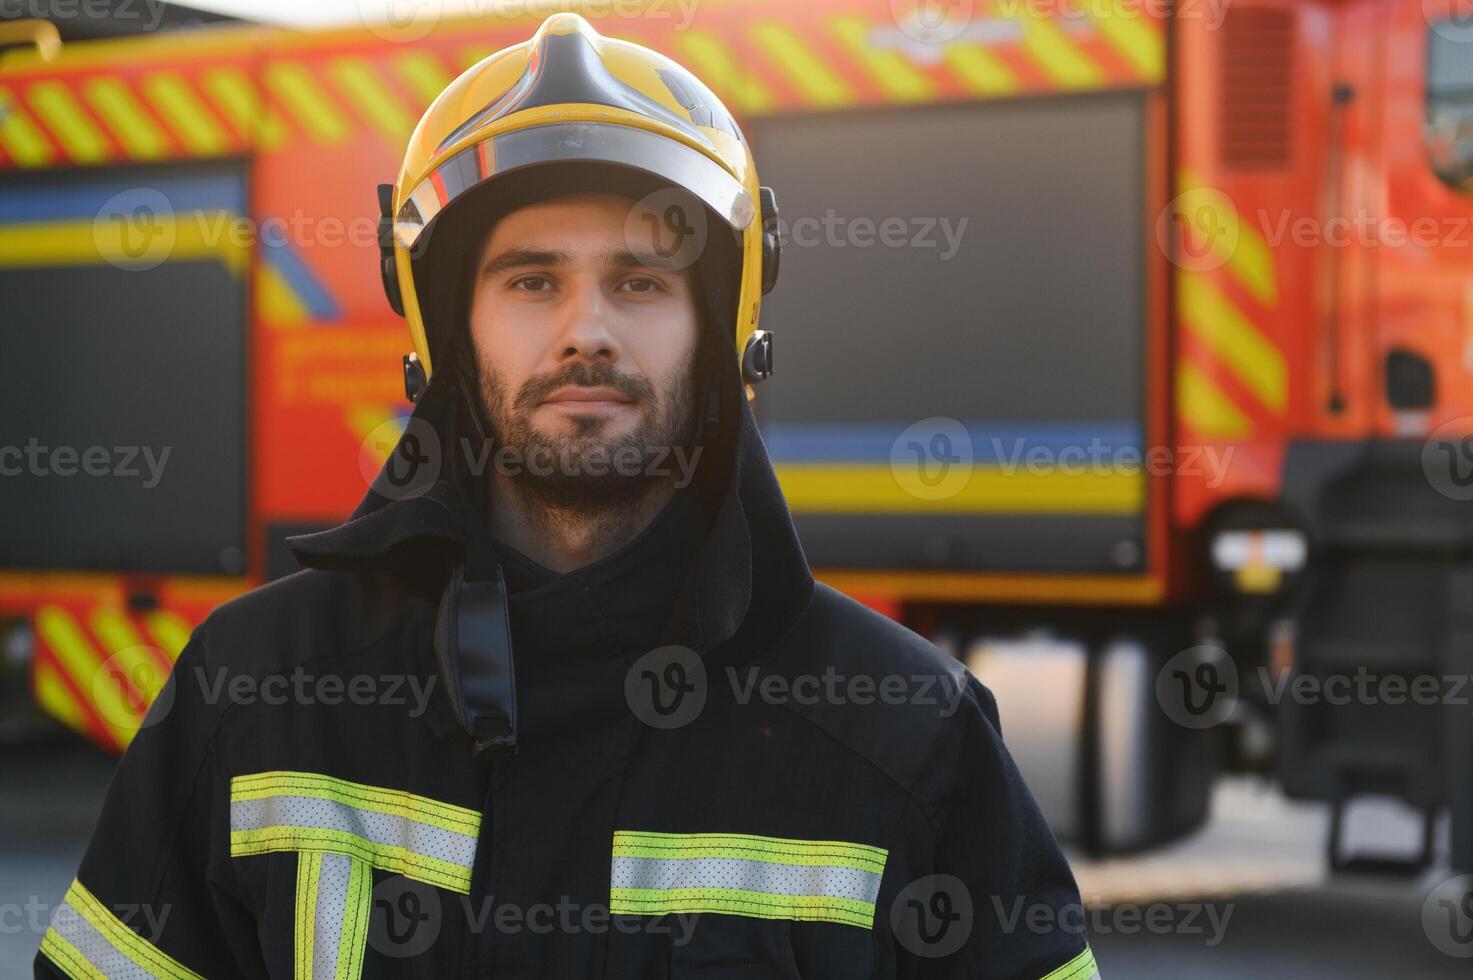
(96, 950)
(389, 830)
(85, 939)
(334, 892)
(756, 876)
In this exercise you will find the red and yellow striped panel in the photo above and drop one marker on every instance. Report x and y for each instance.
(182, 98)
(1232, 378)
(98, 666)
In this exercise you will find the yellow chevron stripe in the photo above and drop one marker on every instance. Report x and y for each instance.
(1206, 408)
(21, 137)
(125, 117)
(866, 489)
(714, 63)
(294, 85)
(277, 302)
(169, 630)
(128, 652)
(236, 96)
(898, 77)
(815, 79)
(357, 80)
(1134, 34)
(68, 121)
(176, 101)
(1245, 253)
(61, 633)
(1230, 335)
(55, 698)
(423, 73)
(982, 71)
(1060, 57)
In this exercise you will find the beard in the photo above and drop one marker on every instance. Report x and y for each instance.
(587, 470)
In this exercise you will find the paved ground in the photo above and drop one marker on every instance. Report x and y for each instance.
(1247, 898)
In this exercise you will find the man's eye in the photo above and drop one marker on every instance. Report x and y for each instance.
(640, 284)
(532, 284)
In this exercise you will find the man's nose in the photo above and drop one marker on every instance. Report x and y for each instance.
(584, 325)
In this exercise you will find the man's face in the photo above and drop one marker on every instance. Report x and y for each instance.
(585, 348)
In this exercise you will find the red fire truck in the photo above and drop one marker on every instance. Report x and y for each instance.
(1124, 349)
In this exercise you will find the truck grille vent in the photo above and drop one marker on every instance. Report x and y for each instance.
(1256, 85)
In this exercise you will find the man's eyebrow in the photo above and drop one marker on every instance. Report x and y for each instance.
(517, 258)
(628, 259)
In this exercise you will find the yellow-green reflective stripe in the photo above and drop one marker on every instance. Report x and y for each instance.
(395, 802)
(1081, 967)
(736, 901)
(631, 843)
(308, 865)
(85, 939)
(332, 910)
(398, 860)
(354, 940)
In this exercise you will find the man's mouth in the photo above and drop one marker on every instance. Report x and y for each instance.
(582, 399)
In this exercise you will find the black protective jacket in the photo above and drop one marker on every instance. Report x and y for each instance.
(721, 770)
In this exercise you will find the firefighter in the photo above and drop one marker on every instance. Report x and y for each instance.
(561, 698)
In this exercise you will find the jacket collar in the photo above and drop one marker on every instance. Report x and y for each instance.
(751, 579)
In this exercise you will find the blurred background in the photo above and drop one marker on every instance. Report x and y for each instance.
(1123, 349)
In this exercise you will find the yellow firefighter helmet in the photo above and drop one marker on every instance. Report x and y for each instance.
(570, 95)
